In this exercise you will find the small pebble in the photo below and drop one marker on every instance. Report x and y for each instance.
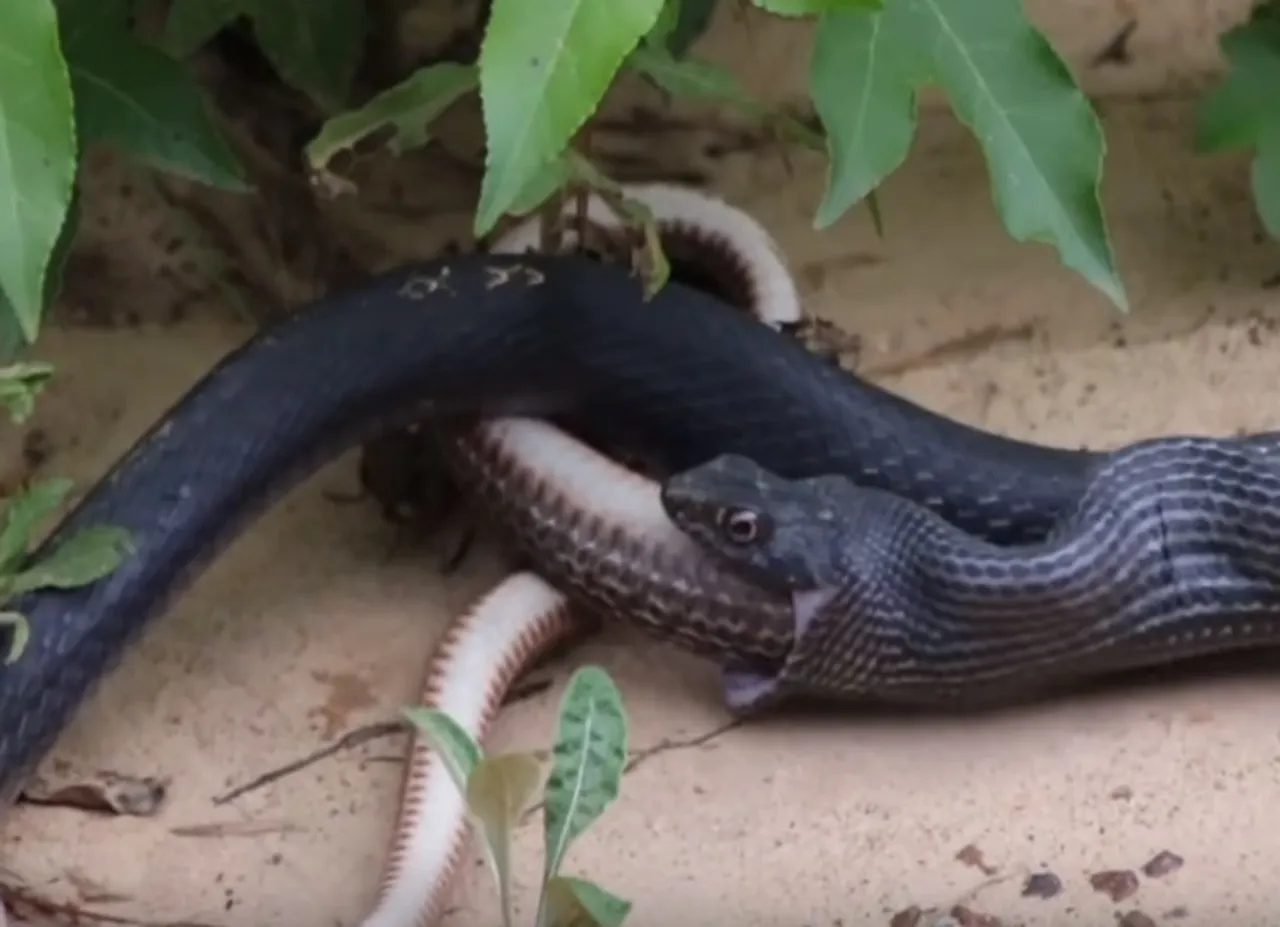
(1136, 919)
(1116, 884)
(1162, 864)
(1042, 885)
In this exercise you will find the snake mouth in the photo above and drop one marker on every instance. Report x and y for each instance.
(806, 604)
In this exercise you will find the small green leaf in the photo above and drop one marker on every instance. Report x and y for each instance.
(20, 384)
(572, 902)
(132, 95)
(1043, 143)
(691, 78)
(21, 634)
(192, 23)
(38, 154)
(498, 792)
(865, 97)
(681, 24)
(589, 754)
(84, 558)
(408, 109)
(544, 67)
(23, 513)
(458, 750)
(815, 7)
(315, 45)
(1233, 114)
(1264, 176)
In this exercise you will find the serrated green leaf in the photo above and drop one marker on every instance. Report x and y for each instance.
(458, 750)
(863, 83)
(588, 759)
(131, 95)
(38, 154)
(544, 67)
(572, 902)
(1234, 113)
(20, 384)
(23, 513)
(498, 792)
(408, 109)
(314, 44)
(85, 557)
(192, 23)
(1042, 139)
(21, 631)
(815, 7)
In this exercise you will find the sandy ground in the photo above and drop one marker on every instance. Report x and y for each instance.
(317, 622)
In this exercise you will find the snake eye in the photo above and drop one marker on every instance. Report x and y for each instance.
(741, 526)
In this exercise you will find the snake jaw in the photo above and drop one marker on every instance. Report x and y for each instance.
(806, 604)
(749, 691)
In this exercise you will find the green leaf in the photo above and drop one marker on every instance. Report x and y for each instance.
(192, 23)
(132, 95)
(23, 512)
(1043, 143)
(408, 109)
(864, 91)
(574, 902)
(1264, 176)
(544, 184)
(681, 24)
(544, 67)
(458, 750)
(586, 772)
(20, 384)
(498, 791)
(85, 557)
(38, 153)
(21, 629)
(1235, 113)
(815, 7)
(314, 44)
(691, 78)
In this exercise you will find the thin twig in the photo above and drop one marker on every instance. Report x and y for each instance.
(347, 741)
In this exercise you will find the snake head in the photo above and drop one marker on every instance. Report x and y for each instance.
(778, 533)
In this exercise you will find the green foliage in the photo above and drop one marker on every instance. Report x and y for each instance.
(83, 558)
(545, 69)
(37, 154)
(588, 758)
(1243, 111)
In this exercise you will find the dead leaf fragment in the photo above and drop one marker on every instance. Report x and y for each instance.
(104, 791)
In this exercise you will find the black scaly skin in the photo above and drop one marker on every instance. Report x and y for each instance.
(684, 376)
(1172, 551)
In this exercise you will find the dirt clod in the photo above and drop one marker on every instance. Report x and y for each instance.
(1136, 918)
(1162, 864)
(1116, 884)
(1042, 885)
